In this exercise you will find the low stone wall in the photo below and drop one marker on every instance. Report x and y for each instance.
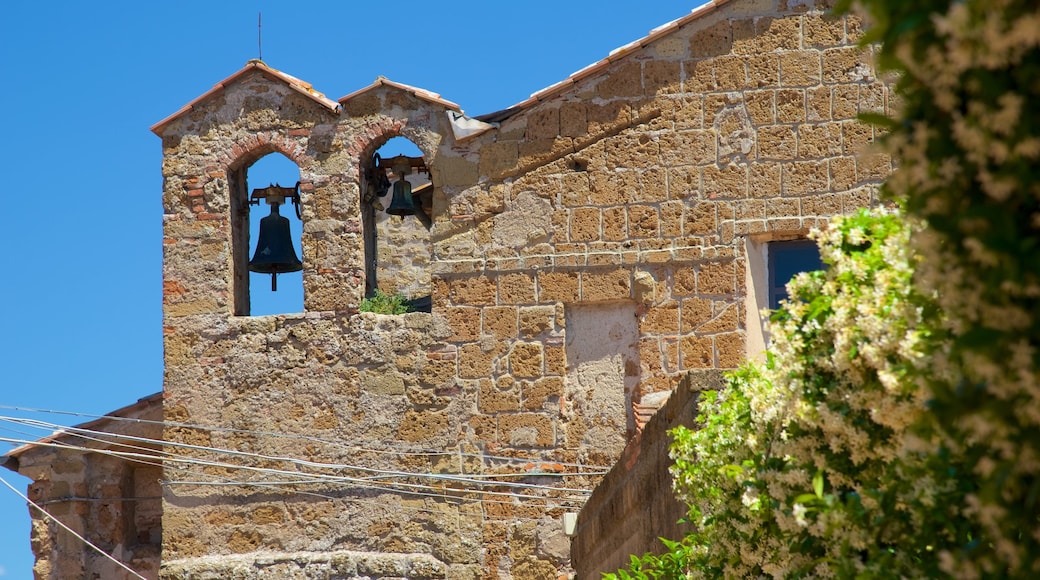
(634, 505)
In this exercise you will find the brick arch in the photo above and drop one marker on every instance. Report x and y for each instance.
(368, 140)
(244, 152)
(237, 160)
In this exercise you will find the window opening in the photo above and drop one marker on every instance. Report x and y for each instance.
(398, 217)
(786, 260)
(269, 190)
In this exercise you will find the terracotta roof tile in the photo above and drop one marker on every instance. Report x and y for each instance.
(420, 93)
(614, 55)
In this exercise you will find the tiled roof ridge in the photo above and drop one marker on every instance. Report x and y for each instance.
(294, 83)
(612, 57)
(418, 92)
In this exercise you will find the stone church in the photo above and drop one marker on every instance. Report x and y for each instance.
(568, 262)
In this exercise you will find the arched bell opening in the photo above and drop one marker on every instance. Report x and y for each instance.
(267, 231)
(397, 211)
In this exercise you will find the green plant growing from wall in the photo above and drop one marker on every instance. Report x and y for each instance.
(383, 303)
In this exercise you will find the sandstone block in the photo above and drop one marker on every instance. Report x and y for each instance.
(790, 105)
(805, 177)
(584, 224)
(688, 148)
(526, 360)
(456, 171)
(717, 278)
(842, 173)
(612, 188)
(576, 189)
(730, 73)
(516, 288)
(543, 123)
(712, 41)
(700, 219)
(761, 107)
(422, 425)
(847, 64)
(555, 360)
(661, 77)
(725, 182)
(500, 321)
(558, 287)
(763, 70)
(538, 393)
(684, 182)
(778, 34)
(822, 140)
(687, 111)
(608, 116)
(695, 312)
(615, 224)
(844, 102)
(438, 372)
(573, 120)
(661, 319)
(625, 80)
(526, 430)
(800, 68)
(818, 104)
(822, 205)
(777, 142)
(700, 76)
(477, 290)
(730, 349)
(464, 323)
(498, 158)
(726, 318)
(697, 352)
(535, 320)
(764, 179)
(643, 221)
(855, 137)
(823, 31)
(475, 362)
(671, 219)
(653, 186)
(610, 285)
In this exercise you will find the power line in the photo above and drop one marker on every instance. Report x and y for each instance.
(388, 449)
(70, 530)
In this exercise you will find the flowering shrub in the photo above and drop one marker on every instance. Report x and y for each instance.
(806, 466)
(968, 144)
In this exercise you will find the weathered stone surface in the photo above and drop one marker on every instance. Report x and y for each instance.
(579, 257)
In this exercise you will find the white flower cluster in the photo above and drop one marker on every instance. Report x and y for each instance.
(787, 472)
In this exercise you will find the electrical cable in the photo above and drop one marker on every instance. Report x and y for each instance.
(389, 449)
(70, 530)
(397, 486)
(77, 432)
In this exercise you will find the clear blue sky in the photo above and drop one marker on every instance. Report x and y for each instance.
(80, 222)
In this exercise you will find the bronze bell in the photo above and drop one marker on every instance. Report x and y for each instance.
(274, 249)
(402, 204)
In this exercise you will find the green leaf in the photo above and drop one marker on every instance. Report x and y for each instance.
(817, 484)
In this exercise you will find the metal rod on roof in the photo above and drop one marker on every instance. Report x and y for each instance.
(259, 36)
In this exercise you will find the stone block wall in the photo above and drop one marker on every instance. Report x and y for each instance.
(585, 254)
(111, 500)
(633, 505)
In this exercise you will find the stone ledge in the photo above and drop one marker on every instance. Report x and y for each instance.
(336, 565)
